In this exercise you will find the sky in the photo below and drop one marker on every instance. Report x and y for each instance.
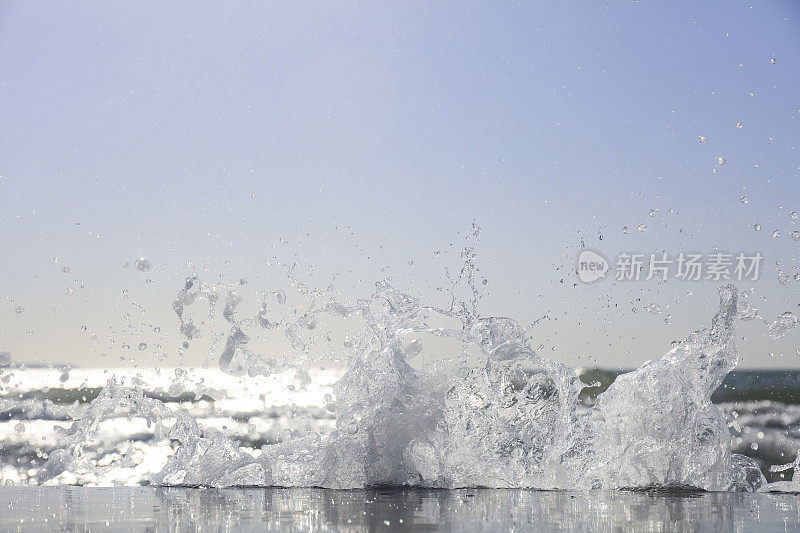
(359, 139)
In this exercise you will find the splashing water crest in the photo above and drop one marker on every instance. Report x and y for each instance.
(496, 415)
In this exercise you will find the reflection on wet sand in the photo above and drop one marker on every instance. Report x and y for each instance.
(234, 509)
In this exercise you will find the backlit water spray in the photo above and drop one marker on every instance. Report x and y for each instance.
(496, 414)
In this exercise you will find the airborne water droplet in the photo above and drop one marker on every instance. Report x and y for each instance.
(70, 291)
(626, 230)
(143, 265)
(739, 125)
(796, 235)
(775, 234)
(702, 138)
(653, 309)
(793, 215)
(720, 160)
(65, 269)
(19, 309)
(744, 199)
(642, 227)
(142, 346)
(757, 226)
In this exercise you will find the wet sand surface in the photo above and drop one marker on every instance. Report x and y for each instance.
(258, 509)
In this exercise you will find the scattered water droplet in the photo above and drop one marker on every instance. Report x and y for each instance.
(702, 138)
(19, 429)
(70, 291)
(739, 125)
(652, 212)
(19, 309)
(143, 264)
(124, 264)
(653, 309)
(142, 346)
(65, 269)
(796, 235)
(720, 160)
(744, 199)
(793, 215)
(757, 226)
(775, 234)
(626, 230)
(772, 61)
(642, 227)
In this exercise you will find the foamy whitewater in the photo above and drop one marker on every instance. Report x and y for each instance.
(497, 414)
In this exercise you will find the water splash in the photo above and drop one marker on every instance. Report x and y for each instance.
(657, 425)
(784, 323)
(82, 432)
(497, 414)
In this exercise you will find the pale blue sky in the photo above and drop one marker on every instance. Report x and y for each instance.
(369, 135)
